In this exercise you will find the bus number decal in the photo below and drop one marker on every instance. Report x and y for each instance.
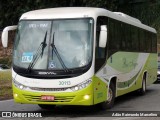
(27, 57)
(64, 82)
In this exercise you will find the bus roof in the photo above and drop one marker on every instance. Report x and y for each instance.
(83, 12)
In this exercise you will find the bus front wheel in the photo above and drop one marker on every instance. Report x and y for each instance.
(111, 97)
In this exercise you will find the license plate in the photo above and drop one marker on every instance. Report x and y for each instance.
(47, 97)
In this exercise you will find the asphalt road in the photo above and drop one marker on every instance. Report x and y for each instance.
(129, 102)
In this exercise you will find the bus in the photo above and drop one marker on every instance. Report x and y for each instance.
(80, 56)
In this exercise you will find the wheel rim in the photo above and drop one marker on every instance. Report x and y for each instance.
(110, 95)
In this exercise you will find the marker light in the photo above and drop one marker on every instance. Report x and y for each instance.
(86, 97)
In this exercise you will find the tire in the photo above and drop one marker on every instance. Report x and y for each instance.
(110, 102)
(142, 90)
(47, 107)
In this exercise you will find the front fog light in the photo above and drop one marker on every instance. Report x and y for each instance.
(15, 95)
(86, 97)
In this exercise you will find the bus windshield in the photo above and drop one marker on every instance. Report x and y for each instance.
(53, 44)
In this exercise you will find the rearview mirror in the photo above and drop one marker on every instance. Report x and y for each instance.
(5, 34)
(103, 36)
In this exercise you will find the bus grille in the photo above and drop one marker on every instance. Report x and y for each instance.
(48, 89)
(57, 98)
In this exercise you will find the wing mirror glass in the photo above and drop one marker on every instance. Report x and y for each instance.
(103, 36)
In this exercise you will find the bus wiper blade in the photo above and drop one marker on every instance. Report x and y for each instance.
(44, 44)
(38, 53)
(57, 54)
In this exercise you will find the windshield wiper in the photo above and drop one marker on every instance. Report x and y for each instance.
(38, 53)
(54, 49)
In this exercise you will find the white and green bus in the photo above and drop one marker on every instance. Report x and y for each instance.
(80, 56)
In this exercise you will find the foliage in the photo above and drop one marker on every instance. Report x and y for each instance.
(11, 10)
(5, 75)
(146, 11)
(5, 85)
(7, 61)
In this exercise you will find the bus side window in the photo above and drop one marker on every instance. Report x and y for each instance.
(148, 41)
(114, 37)
(100, 53)
(154, 43)
(141, 41)
(135, 39)
(125, 40)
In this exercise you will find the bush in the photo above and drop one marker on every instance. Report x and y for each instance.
(6, 61)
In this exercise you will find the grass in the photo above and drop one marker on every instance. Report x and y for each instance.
(5, 85)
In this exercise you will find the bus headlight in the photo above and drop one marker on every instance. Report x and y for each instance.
(81, 85)
(19, 85)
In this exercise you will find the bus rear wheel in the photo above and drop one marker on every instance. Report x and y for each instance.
(46, 107)
(142, 90)
(111, 97)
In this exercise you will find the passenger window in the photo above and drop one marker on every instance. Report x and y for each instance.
(100, 55)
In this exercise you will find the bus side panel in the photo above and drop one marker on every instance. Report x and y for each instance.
(100, 90)
(129, 68)
(151, 67)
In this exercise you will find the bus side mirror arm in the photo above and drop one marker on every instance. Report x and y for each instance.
(4, 36)
(103, 36)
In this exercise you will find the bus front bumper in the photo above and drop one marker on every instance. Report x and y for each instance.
(81, 97)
